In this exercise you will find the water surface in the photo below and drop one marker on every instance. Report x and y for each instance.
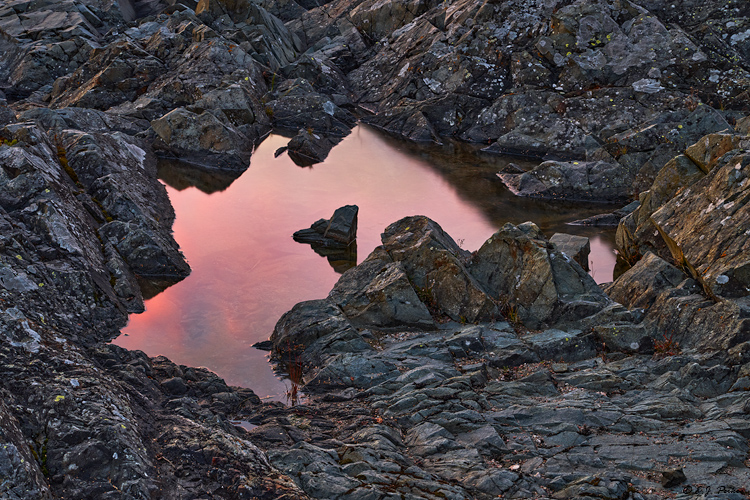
(247, 270)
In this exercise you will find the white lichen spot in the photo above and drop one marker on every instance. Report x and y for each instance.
(722, 279)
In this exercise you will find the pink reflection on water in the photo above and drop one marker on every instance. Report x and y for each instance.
(247, 270)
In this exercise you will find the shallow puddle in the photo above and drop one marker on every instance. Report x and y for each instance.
(247, 270)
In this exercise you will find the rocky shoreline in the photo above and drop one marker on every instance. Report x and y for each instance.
(429, 371)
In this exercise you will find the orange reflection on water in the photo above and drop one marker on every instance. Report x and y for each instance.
(247, 270)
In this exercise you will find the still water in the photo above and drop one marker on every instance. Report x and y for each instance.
(247, 270)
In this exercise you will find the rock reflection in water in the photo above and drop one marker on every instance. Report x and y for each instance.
(248, 271)
(181, 175)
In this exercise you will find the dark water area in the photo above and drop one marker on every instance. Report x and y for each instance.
(236, 233)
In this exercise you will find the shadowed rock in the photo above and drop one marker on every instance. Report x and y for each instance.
(517, 266)
(575, 247)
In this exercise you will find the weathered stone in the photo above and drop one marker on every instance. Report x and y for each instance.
(542, 285)
(378, 293)
(713, 210)
(575, 247)
(641, 284)
(434, 264)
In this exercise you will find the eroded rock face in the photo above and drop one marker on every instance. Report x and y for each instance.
(441, 401)
(519, 267)
(436, 266)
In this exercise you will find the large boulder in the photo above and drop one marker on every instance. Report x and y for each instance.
(436, 267)
(378, 293)
(636, 233)
(539, 284)
(203, 139)
(706, 228)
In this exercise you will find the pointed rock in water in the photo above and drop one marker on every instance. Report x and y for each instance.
(337, 232)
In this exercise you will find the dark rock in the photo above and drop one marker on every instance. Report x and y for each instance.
(540, 284)
(589, 181)
(175, 386)
(378, 293)
(203, 139)
(298, 106)
(672, 477)
(307, 148)
(607, 219)
(575, 247)
(338, 232)
(434, 264)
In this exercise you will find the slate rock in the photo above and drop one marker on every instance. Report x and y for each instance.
(434, 264)
(518, 268)
(575, 247)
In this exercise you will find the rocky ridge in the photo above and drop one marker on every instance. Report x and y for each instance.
(431, 372)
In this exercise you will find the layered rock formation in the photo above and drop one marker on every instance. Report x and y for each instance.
(432, 372)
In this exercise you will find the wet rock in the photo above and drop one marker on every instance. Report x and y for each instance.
(607, 219)
(339, 231)
(575, 247)
(541, 284)
(307, 148)
(590, 181)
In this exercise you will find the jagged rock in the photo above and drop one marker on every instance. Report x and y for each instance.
(434, 264)
(636, 234)
(575, 247)
(339, 231)
(24, 476)
(298, 105)
(378, 293)
(203, 139)
(540, 284)
(715, 209)
(307, 148)
(308, 321)
(640, 285)
(590, 181)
